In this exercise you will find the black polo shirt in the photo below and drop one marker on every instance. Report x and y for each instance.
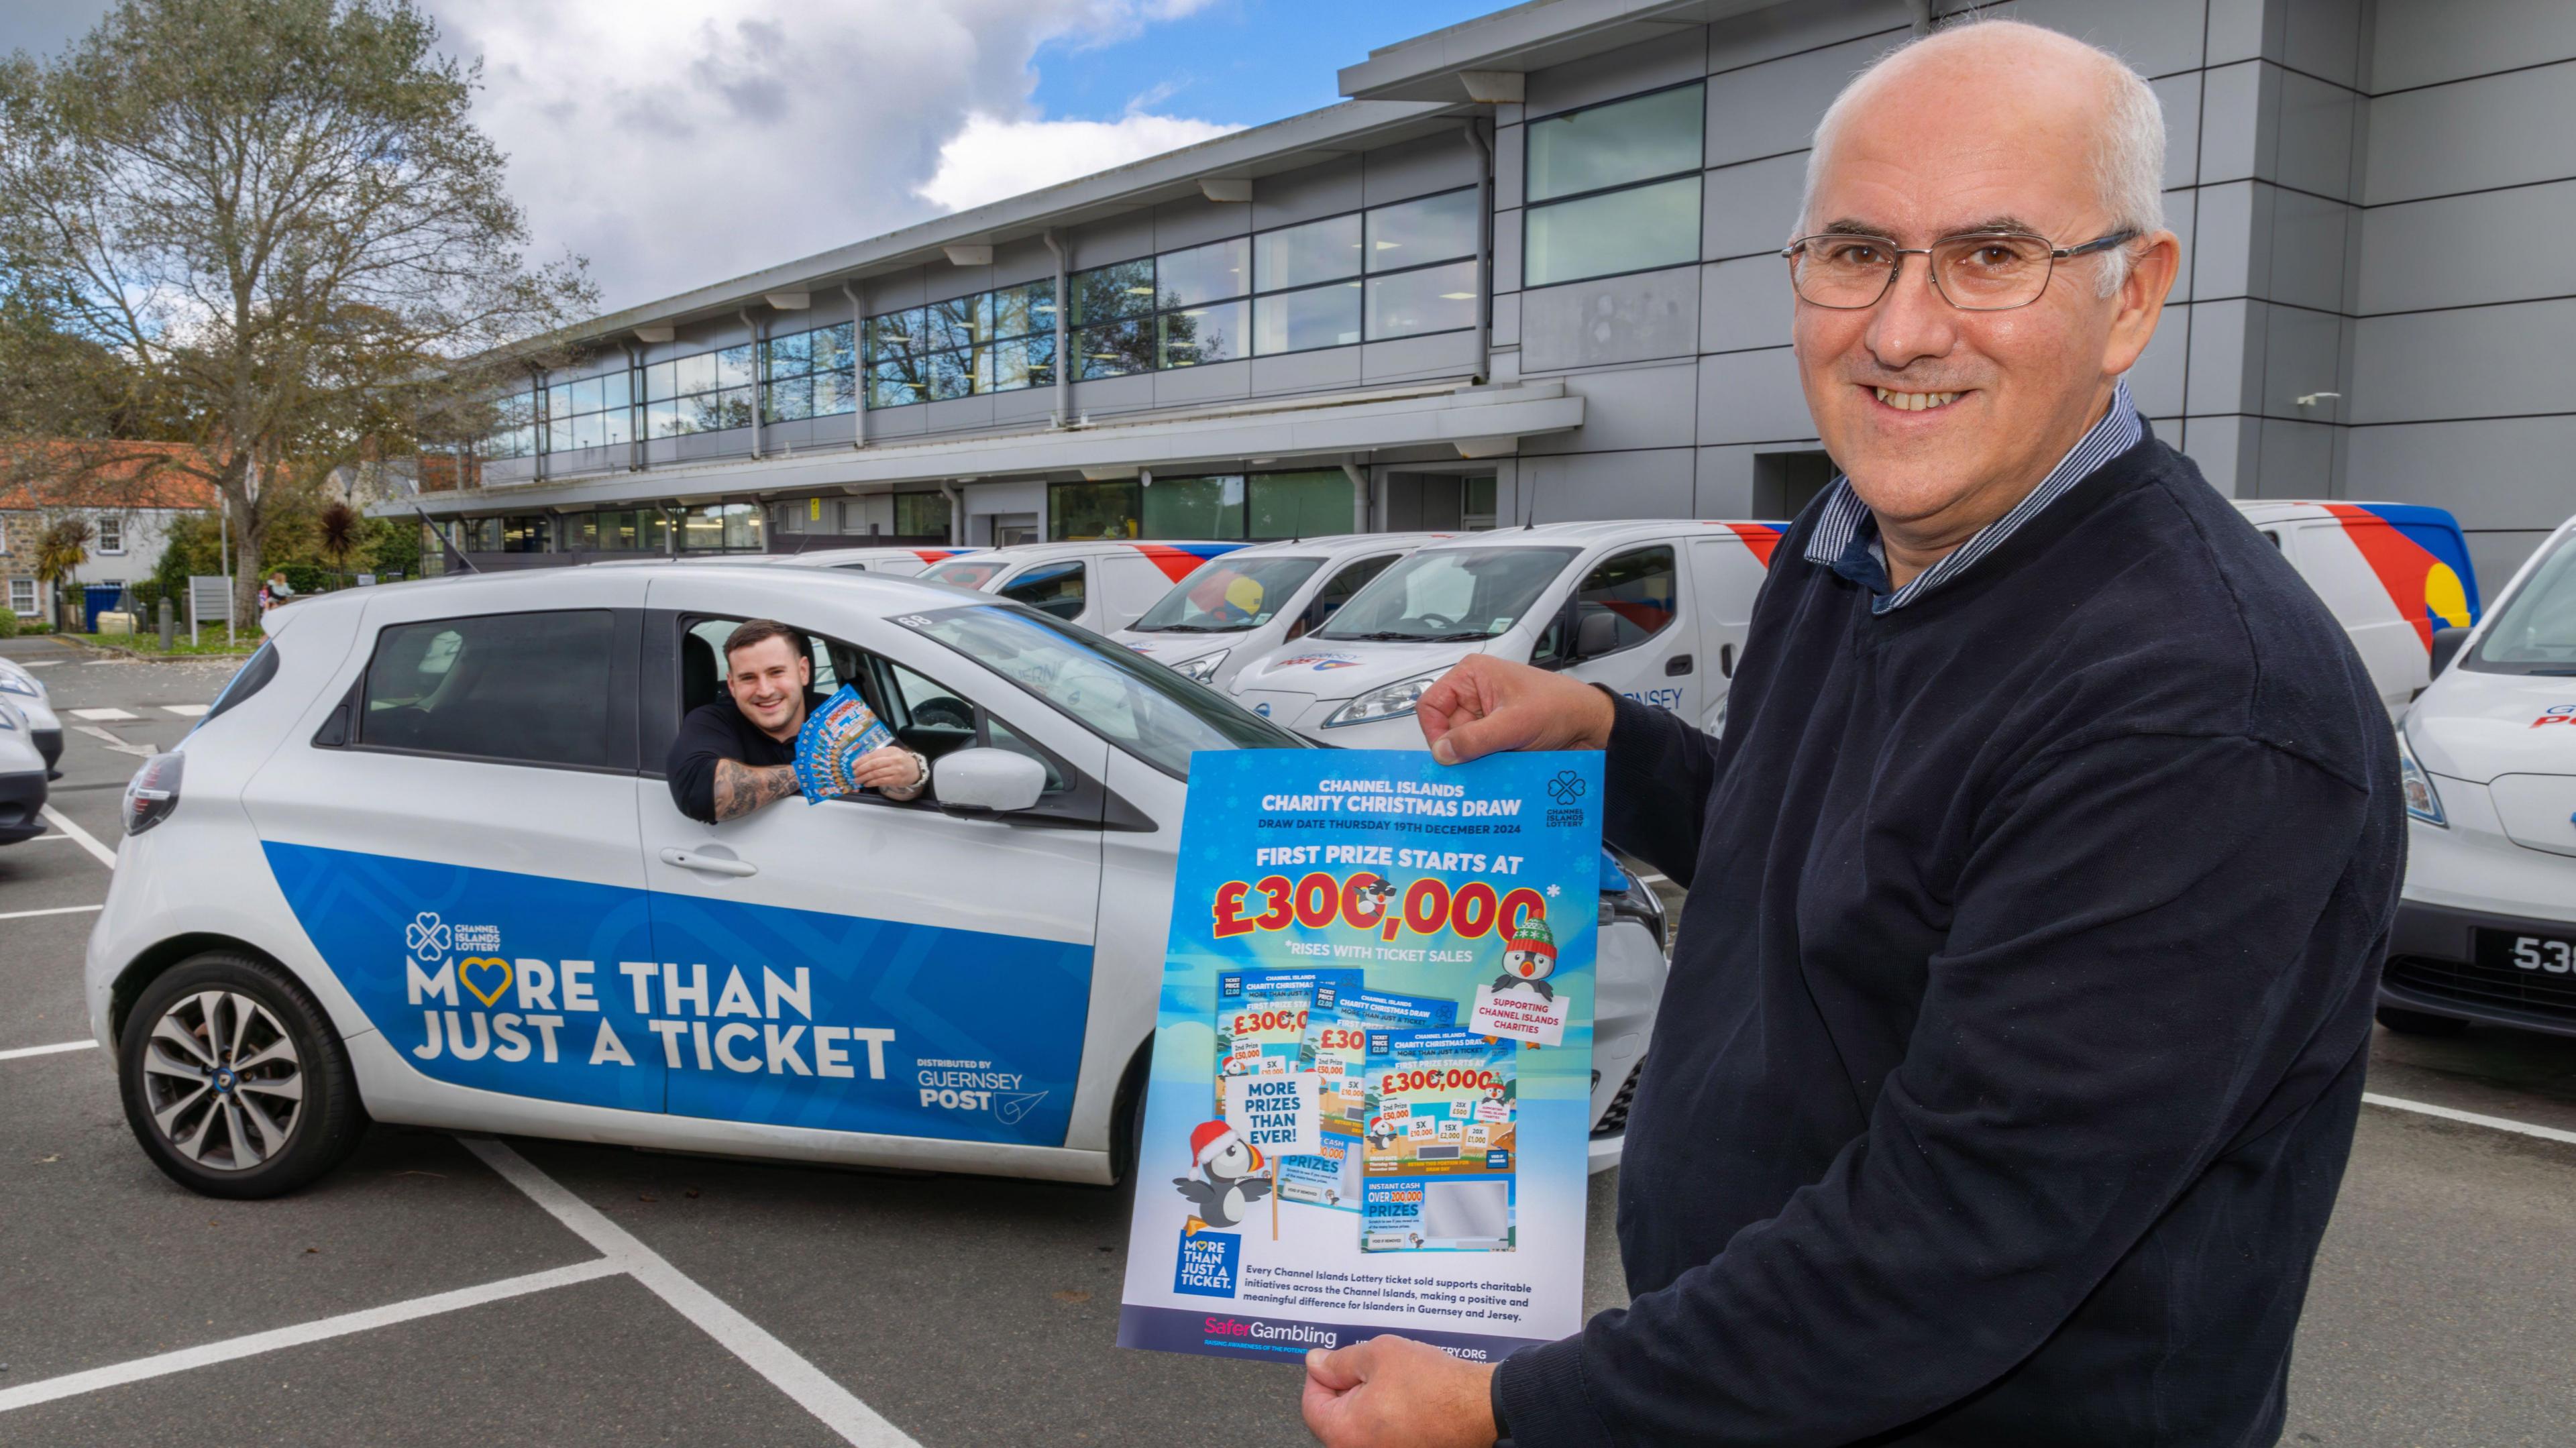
(717, 730)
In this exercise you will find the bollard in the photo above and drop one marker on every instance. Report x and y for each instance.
(169, 628)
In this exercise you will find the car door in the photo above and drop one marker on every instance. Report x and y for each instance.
(1628, 627)
(1726, 574)
(860, 965)
(1061, 588)
(458, 840)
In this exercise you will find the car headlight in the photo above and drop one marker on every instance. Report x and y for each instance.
(1202, 668)
(23, 685)
(2422, 801)
(1386, 701)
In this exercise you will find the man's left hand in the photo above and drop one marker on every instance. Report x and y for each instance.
(889, 768)
(1397, 1392)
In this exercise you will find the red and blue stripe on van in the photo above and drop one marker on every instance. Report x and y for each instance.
(1177, 559)
(2418, 555)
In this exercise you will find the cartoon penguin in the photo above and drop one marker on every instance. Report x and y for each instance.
(1376, 896)
(1226, 1186)
(1529, 957)
(1381, 1134)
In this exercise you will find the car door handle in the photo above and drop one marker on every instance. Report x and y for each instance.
(1677, 665)
(708, 864)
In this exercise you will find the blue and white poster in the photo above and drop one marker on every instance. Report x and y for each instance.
(1373, 1061)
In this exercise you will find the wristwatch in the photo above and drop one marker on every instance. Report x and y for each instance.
(921, 762)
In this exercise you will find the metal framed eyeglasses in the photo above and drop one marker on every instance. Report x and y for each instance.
(1993, 271)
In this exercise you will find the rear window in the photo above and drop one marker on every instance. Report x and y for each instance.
(519, 688)
(967, 572)
(249, 679)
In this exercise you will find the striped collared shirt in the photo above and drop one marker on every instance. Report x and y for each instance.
(1846, 536)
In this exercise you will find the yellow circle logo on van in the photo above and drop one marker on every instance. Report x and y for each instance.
(490, 963)
(2444, 597)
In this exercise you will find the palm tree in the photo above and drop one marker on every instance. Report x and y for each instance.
(339, 524)
(60, 550)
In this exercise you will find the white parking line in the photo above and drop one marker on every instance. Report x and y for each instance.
(102, 716)
(186, 711)
(57, 910)
(838, 1408)
(47, 1389)
(2491, 1123)
(56, 1048)
(81, 837)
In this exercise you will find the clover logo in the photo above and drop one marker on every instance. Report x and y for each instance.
(427, 936)
(1566, 788)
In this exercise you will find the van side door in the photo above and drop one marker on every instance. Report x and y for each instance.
(1727, 573)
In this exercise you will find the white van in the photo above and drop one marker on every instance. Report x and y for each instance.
(1234, 609)
(1653, 609)
(419, 864)
(901, 562)
(2486, 925)
(1103, 585)
(2393, 574)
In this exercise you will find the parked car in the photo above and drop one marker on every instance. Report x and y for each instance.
(419, 864)
(1238, 607)
(902, 562)
(2392, 574)
(21, 687)
(2486, 926)
(23, 772)
(1103, 585)
(1655, 610)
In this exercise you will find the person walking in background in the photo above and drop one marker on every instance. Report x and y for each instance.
(2016, 1023)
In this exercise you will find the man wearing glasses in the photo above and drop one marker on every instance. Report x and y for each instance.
(2015, 1030)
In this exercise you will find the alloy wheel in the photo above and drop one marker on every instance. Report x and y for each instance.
(222, 1080)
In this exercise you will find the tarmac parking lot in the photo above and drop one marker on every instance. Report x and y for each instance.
(438, 1290)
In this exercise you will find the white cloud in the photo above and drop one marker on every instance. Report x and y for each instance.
(992, 158)
(681, 142)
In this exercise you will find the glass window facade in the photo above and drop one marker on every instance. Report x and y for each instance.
(1614, 188)
(1223, 505)
(997, 341)
(921, 515)
(797, 375)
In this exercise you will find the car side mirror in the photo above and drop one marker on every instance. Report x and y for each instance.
(2446, 647)
(1598, 634)
(986, 781)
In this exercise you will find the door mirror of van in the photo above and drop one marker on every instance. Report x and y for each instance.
(1597, 635)
(2446, 646)
(986, 781)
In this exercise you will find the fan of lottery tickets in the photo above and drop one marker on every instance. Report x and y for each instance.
(832, 742)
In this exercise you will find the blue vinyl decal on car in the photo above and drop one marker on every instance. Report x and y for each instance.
(613, 996)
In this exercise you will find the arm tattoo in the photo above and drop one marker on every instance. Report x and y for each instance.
(740, 789)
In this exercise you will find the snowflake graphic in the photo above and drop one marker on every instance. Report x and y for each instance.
(427, 936)
(1566, 788)
(1555, 890)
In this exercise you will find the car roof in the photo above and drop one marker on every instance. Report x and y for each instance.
(829, 557)
(2281, 510)
(1600, 531)
(528, 587)
(1041, 552)
(1331, 545)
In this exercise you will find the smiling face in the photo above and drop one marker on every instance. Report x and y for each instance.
(1942, 418)
(767, 680)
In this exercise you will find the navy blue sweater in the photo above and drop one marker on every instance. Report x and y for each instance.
(2016, 1024)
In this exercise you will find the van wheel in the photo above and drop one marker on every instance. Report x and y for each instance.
(2420, 1023)
(234, 1081)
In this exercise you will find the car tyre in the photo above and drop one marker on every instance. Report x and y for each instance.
(234, 1081)
(2420, 1023)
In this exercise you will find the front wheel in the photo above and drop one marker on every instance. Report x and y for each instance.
(2420, 1023)
(234, 1081)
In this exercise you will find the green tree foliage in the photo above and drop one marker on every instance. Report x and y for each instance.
(270, 226)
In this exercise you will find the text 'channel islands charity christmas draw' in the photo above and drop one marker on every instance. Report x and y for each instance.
(1374, 1057)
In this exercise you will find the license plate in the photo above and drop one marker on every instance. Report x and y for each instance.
(2534, 954)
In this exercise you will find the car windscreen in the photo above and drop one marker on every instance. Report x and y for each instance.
(1140, 706)
(2535, 631)
(1229, 595)
(1450, 594)
(966, 572)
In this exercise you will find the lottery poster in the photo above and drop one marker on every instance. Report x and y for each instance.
(1373, 1063)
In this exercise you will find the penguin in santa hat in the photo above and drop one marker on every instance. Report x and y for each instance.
(1228, 1182)
(1529, 957)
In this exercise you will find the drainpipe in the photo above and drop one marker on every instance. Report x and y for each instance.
(1484, 251)
(858, 370)
(635, 450)
(756, 339)
(956, 513)
(545, 431)
(1063, 355)
(1359, 497)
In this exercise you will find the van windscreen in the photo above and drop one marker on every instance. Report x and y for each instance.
(1450, 594)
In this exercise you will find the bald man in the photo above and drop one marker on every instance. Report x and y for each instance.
(2015, 1030)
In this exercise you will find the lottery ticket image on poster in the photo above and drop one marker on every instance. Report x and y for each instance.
(1367, 941)
(1438, 1163)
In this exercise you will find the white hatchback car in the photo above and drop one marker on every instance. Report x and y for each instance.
(420, 863)
(23, 772)
(1231, 610)
(21, 687)
(2486, 927)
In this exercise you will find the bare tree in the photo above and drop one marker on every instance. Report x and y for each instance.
(280, 221)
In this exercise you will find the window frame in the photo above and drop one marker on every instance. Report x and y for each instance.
(1530, 209)
(345, 727)
(1568, 620)
(115, 521)
(35, 603)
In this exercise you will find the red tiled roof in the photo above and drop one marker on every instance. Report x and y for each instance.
(103, 475)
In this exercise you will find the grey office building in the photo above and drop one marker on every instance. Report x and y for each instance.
(1528, 269)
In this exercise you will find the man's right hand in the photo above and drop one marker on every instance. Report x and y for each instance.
(1484, 706)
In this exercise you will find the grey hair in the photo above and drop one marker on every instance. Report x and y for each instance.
(2128, 154)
